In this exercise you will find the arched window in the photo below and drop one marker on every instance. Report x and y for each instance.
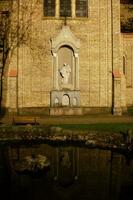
(65, 100)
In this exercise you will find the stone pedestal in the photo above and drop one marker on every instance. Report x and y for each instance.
(59, 111)
(65, 98)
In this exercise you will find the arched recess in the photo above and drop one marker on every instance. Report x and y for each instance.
(66, 62)
(65, 100)
(65, 50)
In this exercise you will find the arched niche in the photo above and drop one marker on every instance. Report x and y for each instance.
(65, 51)
(66, 67)
(65, 100)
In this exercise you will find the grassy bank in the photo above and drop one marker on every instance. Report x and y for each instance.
(108, 127)
(111, 127)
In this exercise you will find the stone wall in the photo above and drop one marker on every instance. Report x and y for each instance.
(99, 54)
(128, 59)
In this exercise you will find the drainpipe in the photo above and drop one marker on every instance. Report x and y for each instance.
(112, 54)
(17, 88)
(1, 78)
(116, 76)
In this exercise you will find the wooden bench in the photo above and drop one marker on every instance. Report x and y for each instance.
(21, 120)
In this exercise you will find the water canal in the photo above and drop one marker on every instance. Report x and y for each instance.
(71, 172)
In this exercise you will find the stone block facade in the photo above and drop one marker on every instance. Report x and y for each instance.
(128, 64)
(99, 57)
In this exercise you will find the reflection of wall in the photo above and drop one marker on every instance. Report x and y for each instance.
(99, 174)
(66, 165)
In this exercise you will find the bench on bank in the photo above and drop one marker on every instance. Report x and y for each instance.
(25, 120)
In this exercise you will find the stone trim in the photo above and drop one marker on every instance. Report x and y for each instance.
(65, 37)
(72, 95)
(116, 74)
(12, 73)
(50, 111)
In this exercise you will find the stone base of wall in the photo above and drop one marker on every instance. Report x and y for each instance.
(117, 111)
(34, 111)
(66, 111)
(78, 111)
(63, 111)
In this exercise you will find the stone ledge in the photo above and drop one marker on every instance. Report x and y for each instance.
(66, 111)
(35, 111)
(79, 110)
(60, 110)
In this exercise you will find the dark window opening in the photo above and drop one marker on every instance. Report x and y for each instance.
(81, 8)
(65, 8)
(49, 7)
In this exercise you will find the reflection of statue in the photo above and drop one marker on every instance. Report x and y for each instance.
(65, 160)
(65, 73)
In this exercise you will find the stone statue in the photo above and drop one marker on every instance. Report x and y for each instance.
(65, 73)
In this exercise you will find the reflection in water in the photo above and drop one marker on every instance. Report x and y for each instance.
(74, 172)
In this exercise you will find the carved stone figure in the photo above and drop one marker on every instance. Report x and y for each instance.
(65, 73)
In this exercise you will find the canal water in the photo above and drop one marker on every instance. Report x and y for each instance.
(72, 172)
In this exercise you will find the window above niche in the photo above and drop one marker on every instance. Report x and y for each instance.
(49, 8)
(66, 8)
(81, 8)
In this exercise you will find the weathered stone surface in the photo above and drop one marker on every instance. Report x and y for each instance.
(100, 52)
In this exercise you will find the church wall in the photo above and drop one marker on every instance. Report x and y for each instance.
(35, 66)
(128, 54)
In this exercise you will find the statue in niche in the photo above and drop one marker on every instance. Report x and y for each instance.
(65, 73)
